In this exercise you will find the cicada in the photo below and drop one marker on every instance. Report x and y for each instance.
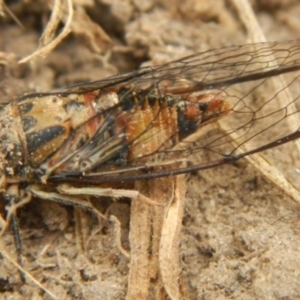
(91, 137)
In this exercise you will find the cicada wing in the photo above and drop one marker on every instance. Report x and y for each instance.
(223, 73)
(212, 69)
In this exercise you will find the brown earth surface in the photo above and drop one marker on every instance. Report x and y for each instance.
(240, 233)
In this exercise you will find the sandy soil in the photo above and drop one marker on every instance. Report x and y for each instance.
(240, 235)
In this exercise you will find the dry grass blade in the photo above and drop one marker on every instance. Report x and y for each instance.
(169, 260)
(155, 269)
(259, 160)
(48, 40)
(140, 232)
(4, 10)
(256, 35)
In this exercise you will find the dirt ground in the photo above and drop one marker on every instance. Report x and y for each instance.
(240, 234)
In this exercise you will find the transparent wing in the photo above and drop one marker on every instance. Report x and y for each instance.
(207, 70)
(238, 75)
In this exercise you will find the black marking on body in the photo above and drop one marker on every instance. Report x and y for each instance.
(185, 126)
(128, 100)
(24, 108)
(38, 139)
(28, 123)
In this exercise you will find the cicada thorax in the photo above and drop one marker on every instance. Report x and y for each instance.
(11, 151)
(35, 127)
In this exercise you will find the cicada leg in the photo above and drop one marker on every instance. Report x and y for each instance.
(78, 202)
(74, 196)
(16, 199)
(37, 190)
(105, 192)
(69, 195)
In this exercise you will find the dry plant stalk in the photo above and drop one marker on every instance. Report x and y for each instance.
(77, 22)
(48, 40)
(4, 10)
(259, 160)
(155, 269)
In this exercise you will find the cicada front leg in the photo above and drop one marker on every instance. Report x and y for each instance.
(38, 191)
(16, 198)
(75, 196)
